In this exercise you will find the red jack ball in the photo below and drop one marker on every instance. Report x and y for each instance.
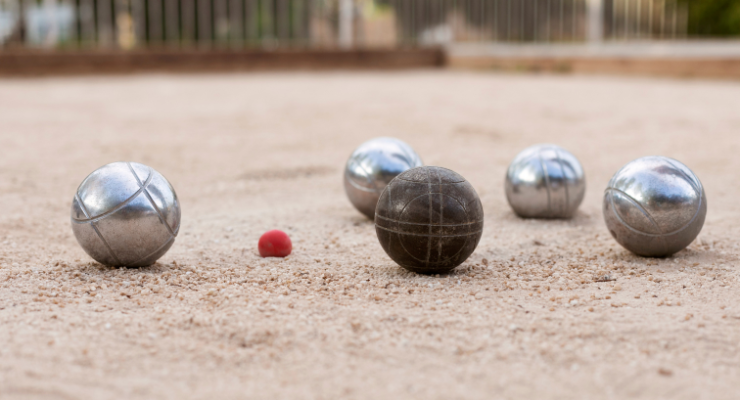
(274, 243)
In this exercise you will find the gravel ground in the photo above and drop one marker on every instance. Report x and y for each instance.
(526, 316)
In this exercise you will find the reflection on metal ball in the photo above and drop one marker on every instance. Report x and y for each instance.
(372, 166)
(125, 214)
(429, 220)
(655, 206)
(545, 181)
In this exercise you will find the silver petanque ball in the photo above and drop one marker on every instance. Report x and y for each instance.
(372, 166)
(654, 206)
(545, 181)
(125, 214)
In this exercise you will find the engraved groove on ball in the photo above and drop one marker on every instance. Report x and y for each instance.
(562, 170)
(548, 186)
(639, 208)
(149, 197)
(669, 195)
(95, 228)
(124, 224)
(545, 181)
(424, 222)
(114, 209)
(371, 167)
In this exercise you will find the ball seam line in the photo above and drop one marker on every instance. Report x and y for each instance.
(698, 210)
(434, 235)
(357, 186)
(422, 183)
(699, 190)
(422, 195)
(547, 182)
(153, 252)
(431, 263)
(367, 176)
(565, 182)
(441, 216)
(639, 207)
(431, 203)
(416, 223)
(390, 203)
(95, 228)
(114, 209)
(149, 197)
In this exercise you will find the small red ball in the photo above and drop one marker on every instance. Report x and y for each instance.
(274, 243)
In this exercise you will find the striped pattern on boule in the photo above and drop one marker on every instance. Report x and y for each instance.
(654, 206)
(429, 220)
(372, 166)
(125, 214)
(545, 181)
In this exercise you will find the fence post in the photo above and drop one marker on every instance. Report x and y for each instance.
(346, 14)
(595, 21)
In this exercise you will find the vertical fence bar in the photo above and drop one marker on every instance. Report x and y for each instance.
(685, 27)
(409, 32)
(626, 20)
(72, 33)
(82, 18)
(548, 15)
(50, 9)
(154, 19)
(535, 24)
(188, 23)
(345, 23)
(561, 14)
(220, 23)
(236, 26)
(104, 28)
(398, 23)
(574, 22)
(298, 13)
(639, 19)
(674, 19)
(508, 20)
(662, 19)
(651, 5)
(483, 21)
(88, 32)
(122, 23)
(522, 23)
(172, 21)
(203, 8)
(138, 15)
(323, 22)
(493, 19)
(306, 26)
(283, 22)
(250, 22)
(267, 30)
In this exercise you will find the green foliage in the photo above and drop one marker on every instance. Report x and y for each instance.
(713, 17)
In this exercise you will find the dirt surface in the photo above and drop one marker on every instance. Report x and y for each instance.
(523, 317)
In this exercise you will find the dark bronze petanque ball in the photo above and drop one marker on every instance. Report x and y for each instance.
(429, 220)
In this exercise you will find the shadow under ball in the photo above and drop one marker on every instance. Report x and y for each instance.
(125, 214)
(429, 220)
(654, 206)
(545, 181)
(372, 166)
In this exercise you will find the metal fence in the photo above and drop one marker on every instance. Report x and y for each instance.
(130, 24)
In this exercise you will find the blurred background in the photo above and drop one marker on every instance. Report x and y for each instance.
(696, 36)
(310, 24)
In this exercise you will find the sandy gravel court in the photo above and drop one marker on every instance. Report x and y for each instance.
(523, 317)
